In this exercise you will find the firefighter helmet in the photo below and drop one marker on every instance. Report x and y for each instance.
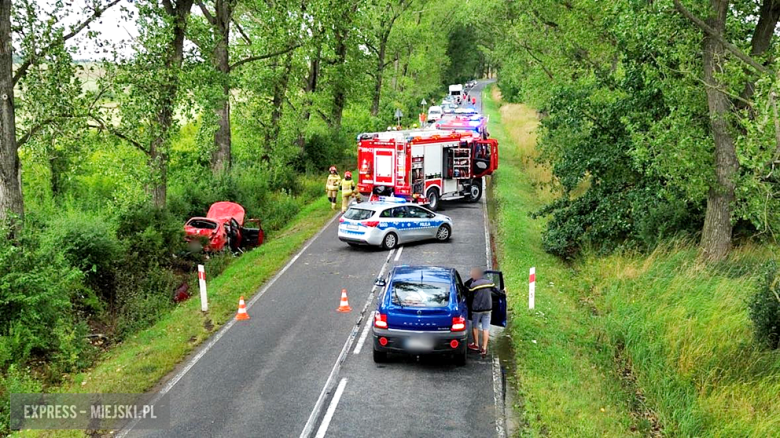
(332, 169)
(347, 174)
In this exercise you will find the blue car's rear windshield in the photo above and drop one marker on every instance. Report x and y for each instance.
(358, 214)
(420, 294)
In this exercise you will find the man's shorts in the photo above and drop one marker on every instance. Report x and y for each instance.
(480, 320)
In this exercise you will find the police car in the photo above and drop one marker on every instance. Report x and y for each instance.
(389, 222)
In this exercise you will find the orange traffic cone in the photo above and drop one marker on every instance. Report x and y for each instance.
(344, 306)
(241, 315)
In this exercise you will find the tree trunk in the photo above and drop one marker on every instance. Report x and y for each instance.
(311, 88)
(158, 149)
(339, 86)
(11, 199)
(716, 234)
(378, 73)
(221, 159)
(158, 163)
(280, 90)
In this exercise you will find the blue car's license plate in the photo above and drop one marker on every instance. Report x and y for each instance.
(419, 343)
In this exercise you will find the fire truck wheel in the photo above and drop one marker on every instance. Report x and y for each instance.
(433, 199)
(390, 241)
(443, 233)
(475, 191)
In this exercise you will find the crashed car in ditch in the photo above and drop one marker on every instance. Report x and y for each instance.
(222, 229)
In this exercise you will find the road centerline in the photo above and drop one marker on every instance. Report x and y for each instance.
(310, 422)
(331, 409)
(364, 335)
(398, 254)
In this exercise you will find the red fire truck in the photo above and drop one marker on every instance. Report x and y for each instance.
(425, 166)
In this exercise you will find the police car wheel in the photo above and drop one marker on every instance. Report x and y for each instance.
(443, 233)
(390, 241)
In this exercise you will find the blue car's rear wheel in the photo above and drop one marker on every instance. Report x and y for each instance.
(380, 356)
(460, 356)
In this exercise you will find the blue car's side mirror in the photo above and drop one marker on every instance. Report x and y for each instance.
(380, 282)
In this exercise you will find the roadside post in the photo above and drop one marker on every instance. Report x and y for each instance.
(204, 301)
(532, 288)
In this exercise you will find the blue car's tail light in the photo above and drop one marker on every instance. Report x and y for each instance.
(458, 324)
(380, 320)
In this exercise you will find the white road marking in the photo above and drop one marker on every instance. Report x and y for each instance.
(364, 335)
(331, 409)
(488, 249)
(498, 388)
(398, 254)
(330, 382)
(205, 349)
(498, 398)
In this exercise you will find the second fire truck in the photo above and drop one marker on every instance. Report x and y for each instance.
(425, 166)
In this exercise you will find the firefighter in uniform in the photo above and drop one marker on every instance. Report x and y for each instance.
(332, 186)
(348, 191)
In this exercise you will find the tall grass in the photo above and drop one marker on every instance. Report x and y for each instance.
(663, 343)
(566, 380)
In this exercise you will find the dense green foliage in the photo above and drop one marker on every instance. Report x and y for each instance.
(626, 127)
(633, 343)
(765, 308)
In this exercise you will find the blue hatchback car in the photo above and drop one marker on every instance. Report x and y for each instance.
(422, 309)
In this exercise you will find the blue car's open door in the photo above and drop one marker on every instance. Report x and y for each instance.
(498, 316)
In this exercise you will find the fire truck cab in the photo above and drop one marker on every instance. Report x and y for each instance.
(425, 166)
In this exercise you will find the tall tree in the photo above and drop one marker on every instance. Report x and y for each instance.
(718, 228)
(147, 89)
(47, 35)
(220, 20)
(383, 18)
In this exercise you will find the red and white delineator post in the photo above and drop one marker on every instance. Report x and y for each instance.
(532, 288)
(204, 301)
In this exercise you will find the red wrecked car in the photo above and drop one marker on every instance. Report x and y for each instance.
(223, 229)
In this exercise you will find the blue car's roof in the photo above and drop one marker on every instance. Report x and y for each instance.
(413, 273)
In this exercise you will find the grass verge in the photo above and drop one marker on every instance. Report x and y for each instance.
(631, 343)
(566, 379)
(138, 364)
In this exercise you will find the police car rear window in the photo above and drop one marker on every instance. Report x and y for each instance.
(415, 294)
(358, 214)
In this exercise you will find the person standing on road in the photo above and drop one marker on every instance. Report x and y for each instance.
(332, 186)
(348, 191)
(481, 294)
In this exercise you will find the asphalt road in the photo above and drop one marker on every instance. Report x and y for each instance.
(299, 368)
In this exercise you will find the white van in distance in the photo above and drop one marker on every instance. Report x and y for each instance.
(434, 113)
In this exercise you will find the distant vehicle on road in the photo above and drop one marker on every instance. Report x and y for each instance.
(434, 113)
(222, 229)
(390, 222)
(449, 108)
(456, 91)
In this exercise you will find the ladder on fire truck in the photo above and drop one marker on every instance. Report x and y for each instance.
(461, 162)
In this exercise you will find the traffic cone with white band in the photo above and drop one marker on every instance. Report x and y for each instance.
(241, 315)
(344, 306)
